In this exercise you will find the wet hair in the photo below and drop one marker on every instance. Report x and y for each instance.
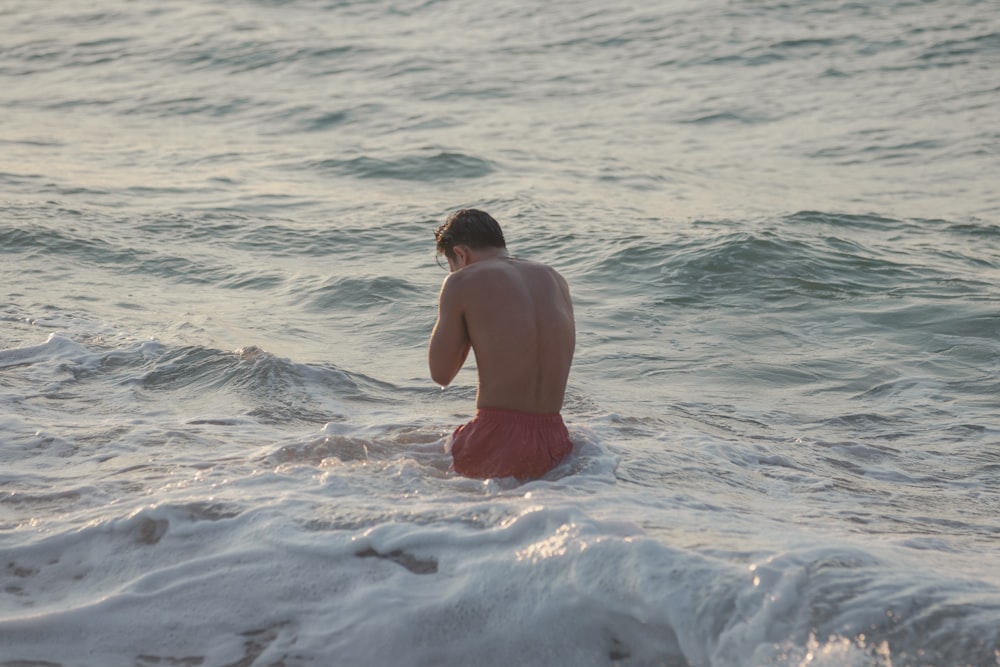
(469, 227)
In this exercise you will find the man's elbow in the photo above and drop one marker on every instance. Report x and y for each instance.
(442, 377)
(444, 363)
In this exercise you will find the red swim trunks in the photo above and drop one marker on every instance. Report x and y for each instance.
(508, 443)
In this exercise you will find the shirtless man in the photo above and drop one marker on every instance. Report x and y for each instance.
(518, 318)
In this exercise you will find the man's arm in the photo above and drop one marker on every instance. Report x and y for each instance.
(450, 342)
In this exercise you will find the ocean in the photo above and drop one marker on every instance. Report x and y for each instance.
(219, 441)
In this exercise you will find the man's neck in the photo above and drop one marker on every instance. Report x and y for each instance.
(487, 254)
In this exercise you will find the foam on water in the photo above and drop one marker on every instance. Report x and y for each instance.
(507, 581)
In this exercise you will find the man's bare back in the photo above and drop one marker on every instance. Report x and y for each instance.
(518, 317)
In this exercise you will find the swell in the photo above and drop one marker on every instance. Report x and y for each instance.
(435, 166)
(94, 243)
(213, 384)
(808, 258)
(225, 251)
(269, 389)
(869, 328)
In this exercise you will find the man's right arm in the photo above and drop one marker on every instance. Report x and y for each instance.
(450, 342)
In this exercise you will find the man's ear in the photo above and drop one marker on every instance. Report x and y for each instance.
(462, 255)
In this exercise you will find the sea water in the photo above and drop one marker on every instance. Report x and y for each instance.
(219, 442)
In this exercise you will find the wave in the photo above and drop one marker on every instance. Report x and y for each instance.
(229, 54)
(95, 242)
(427, 167)
(815, 257)
(953, 52)
(217, 249)
(54, 348)
(570, 588)
(359, 294)
(266, 388)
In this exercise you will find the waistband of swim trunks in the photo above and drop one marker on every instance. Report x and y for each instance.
(517, 415)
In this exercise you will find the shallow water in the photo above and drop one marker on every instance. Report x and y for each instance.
(219, 441)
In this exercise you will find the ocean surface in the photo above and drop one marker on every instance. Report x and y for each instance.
(219, 441)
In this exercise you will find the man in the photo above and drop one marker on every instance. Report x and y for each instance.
(517, 316)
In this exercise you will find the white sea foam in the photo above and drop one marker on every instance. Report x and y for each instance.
(515, 583)
(56, 347)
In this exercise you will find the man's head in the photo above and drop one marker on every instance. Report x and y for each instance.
(471, 228)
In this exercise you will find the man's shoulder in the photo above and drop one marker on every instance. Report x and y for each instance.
(538, 268)
(495, 272)
(521, 270)
(458, 282)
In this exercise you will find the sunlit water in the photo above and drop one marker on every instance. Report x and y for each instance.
(219, 441)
